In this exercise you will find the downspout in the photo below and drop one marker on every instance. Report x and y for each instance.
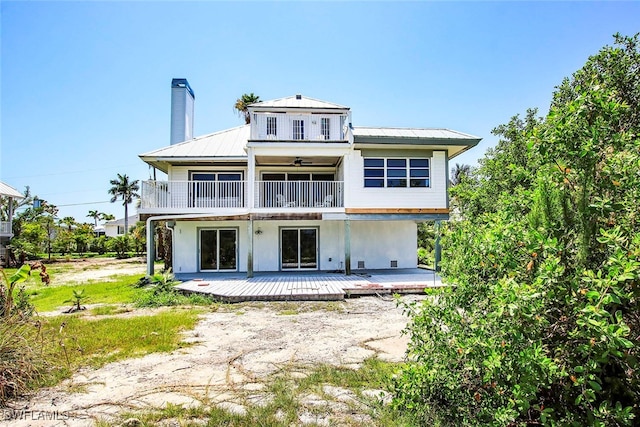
(150, 241)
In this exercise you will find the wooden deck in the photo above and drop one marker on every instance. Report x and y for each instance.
(307, 286)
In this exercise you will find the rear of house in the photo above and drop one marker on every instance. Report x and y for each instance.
(298, 189)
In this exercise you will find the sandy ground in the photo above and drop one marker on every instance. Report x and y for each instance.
(234, 352)
(93, 269)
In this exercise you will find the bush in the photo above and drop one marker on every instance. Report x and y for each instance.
(120, 245)
(541, 323)
(19, 361)
(161, 292)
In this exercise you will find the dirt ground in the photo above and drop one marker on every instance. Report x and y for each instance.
(235, 350)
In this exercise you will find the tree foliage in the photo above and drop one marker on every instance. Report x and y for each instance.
(541, 324)
(242, 105)
(126, 190)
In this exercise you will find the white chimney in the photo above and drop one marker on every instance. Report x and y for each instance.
(182, 100)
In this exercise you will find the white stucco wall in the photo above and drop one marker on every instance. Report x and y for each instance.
(376, 243)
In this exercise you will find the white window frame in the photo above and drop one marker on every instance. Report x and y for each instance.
(297, 131)
(325, 127)
(272, 126)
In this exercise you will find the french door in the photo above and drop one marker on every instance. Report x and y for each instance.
(218, 249)
(299, 248)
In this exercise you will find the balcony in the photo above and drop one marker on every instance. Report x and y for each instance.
(189, 195)
(299, 194)
(5, 228)
(298, 127)
(194, 196)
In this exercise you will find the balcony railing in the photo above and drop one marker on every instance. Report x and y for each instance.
(187, 195)
(299, 194)
(309, 127)
(193, 194)
(5, 228)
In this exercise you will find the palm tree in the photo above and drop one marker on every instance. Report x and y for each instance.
(95, 215)
(127, 191)
(460, 172)
(69, 221)
(243, 103)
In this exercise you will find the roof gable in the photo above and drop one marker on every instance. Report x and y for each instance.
(7, 190)
(295, 102)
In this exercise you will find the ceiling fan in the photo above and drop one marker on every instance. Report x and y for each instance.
(299, 162)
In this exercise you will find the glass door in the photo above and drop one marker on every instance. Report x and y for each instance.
(299, 248)
(218, 250)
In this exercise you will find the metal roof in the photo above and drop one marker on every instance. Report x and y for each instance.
(451, 141)
(7, 190)
(227, 144)
(297, 101)
(413, 133)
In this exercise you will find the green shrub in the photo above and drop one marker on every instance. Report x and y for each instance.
(541, 324)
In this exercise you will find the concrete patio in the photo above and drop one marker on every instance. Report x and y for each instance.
(307, 286)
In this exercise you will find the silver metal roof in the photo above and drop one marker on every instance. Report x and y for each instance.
(451, 141)
(226, 144)
(7, 190)
(414, 133)
(297, 101)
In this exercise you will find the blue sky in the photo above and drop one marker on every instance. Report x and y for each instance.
(85, 86)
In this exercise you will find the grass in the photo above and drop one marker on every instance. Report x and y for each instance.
(284, 406)
(110, 310)
(71, 342)
(49, 298)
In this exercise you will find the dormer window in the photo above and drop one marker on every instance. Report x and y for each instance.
(324, 128)
(272, 128)
(298, 129)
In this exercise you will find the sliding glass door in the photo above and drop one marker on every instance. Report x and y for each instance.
(218, 250)
(299, 248)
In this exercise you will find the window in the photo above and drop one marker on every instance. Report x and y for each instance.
(216, 189)
(374, 172)
(396, 173)
(272, 128)
(324, 128)
(419, 172)
(298, 129)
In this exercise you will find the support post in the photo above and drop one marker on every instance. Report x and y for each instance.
(347, 247)
(151, 246)
(250, 249)
(438, 248)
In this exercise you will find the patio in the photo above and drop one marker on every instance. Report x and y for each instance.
(307, 286)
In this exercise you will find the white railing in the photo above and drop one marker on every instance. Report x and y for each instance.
(5, 228)
(192, 194)
(299, 194)
(312, 127)
(232, 194)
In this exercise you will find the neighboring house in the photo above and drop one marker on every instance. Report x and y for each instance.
(297, 189)
(9, 196)
(116, 227)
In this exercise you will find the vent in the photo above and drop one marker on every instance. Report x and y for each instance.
(360, 264)
(394, 263)
(298, 96)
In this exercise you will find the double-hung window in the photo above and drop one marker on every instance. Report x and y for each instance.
(272, 126)
(298, 129)
(325, 130)
(396, 172)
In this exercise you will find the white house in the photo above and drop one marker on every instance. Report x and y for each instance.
(9, 196)
(116, 227)
(299, 188)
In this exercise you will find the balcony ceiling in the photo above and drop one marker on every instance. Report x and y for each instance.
(307, 161)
